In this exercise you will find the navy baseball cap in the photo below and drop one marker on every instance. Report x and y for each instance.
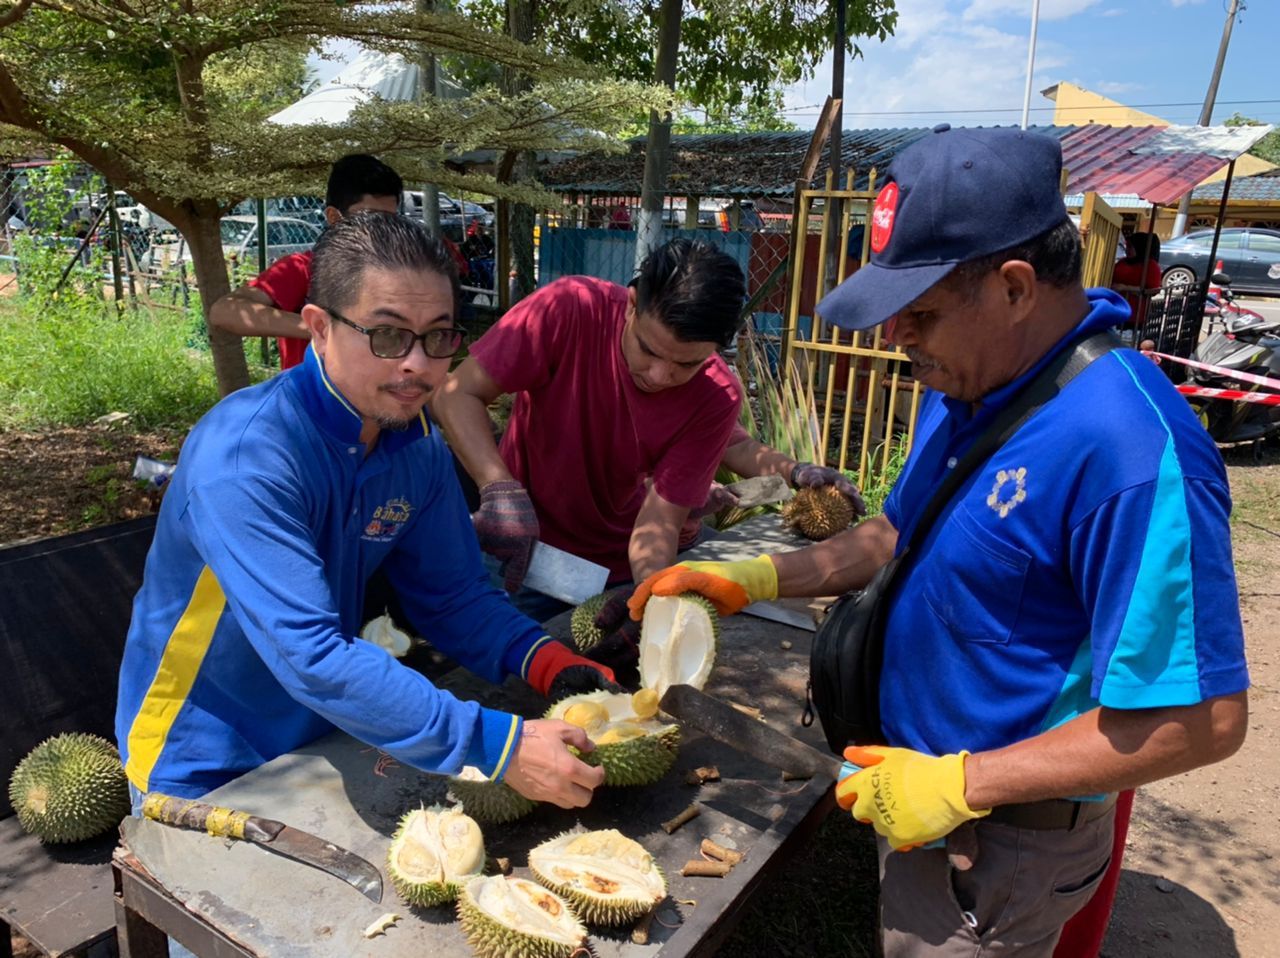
(954, 196)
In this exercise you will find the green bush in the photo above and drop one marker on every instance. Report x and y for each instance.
(70, 361)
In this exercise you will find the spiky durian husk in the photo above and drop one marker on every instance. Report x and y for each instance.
(639, 761)
(69, 788)
(818, 513)
(491, 803)
(582, 623)
(489, 938)
(588, 903)
(420, 893)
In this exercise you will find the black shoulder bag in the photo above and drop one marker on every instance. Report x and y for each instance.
(848, 649)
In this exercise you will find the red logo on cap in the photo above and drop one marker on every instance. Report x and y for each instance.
(882, 216)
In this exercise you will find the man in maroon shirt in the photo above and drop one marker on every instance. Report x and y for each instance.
(614, 385)
(271, 304)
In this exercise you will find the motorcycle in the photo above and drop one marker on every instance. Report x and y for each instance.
(1249, 343)
(1220, 305)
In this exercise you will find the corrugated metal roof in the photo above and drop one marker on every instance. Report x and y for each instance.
(1154, 164)
(1262, 188)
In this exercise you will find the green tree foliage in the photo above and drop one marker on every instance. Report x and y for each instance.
(166, 100)
(756, 117)
(734, 54)
(1268, 148)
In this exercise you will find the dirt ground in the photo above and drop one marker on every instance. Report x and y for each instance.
(1202, 867)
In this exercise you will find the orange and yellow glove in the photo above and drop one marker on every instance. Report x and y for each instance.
(908, 797)
(729, 585)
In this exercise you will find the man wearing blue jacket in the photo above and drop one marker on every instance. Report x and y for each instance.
(1069, 626)
(243, 644)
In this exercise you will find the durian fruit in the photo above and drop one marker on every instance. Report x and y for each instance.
(582, 623)
(508, 917)
(434, 852)
(488, 802)
(70, 787)
(383, 631)
(818, 513)
(633, 750)
(607, 878)
(678, 640)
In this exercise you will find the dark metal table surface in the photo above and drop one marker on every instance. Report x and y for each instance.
(247, 901)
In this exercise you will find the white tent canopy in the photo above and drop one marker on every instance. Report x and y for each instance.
(371, 74)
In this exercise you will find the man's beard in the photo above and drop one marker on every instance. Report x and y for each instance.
(392, 424)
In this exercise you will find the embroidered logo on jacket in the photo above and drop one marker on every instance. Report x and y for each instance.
(1009, 490)
(387, 520)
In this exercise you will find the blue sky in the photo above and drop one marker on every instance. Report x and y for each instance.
(953, 59)
(964, 61)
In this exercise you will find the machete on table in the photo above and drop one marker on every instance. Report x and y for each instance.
(726, 724)
(272, 835)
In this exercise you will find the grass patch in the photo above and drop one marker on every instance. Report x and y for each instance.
(68, 362)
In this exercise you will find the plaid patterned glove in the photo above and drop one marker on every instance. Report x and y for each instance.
(809, 475)
(507, 528)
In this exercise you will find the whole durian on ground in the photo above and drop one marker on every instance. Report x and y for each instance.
(510, 917)
(607, 878)
(488, 802)
(633, 750)
(582, 623)
(433, 853)
(818, 513)
(70, 787)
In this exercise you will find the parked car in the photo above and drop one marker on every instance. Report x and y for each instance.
(455, 215)
(285, 235)
(715, 215)
(309, 209)
(1251, 257)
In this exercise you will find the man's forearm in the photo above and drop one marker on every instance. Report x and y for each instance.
(753, 458)
(651, 549)
(245, 317)
(466, 422)
(1107, 750)
(843, 562)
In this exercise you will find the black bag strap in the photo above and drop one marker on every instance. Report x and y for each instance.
(1045, 386)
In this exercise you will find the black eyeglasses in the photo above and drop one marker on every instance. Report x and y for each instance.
(395, 342)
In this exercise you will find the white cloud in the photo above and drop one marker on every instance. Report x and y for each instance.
(1049, 9)
(1112, 12)
(1184, 3)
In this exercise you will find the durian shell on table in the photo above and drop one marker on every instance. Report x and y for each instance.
(69, 788)
(488, 802)
(607, 878)
(582, 623)
(818, 513)
(433, 853)
(632, 750)
(510, 917)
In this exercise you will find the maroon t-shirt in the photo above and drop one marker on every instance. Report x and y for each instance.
(583, 437)
(286, 282)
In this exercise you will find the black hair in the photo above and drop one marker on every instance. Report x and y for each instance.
(357, 175)
(1140, 242)
(1055, 255)
(372, 240)
(694, 289)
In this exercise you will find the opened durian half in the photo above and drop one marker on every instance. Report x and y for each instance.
(487, 801)
(383, 631)
(434, 852)
(633, 749)
(607, 878)
(506, 917)
(678, 640)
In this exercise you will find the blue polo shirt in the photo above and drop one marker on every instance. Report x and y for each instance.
(1087, 563)
(243, 644)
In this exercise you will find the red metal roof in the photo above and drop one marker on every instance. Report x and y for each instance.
(1158, 164)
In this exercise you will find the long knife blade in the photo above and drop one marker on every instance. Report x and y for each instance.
(726, 724)
(270, 834)
(563, 575)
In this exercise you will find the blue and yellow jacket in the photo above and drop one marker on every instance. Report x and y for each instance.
(243, 641)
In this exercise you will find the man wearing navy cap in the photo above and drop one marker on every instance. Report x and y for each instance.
(1070, 626)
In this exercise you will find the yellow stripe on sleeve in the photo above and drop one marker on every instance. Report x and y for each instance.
(175, 675)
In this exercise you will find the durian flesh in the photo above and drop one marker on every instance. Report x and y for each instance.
(505, 917)
(607, 878)
(678, 640)
(383, 631)
(70, 787)
(632, 750)
(434, 852)
(488, 802)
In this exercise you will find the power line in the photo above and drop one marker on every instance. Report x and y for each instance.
(1018, 109)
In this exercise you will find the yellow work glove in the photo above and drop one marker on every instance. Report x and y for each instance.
(729, 585)
(908, 797)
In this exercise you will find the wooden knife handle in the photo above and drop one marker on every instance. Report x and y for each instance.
(217, 821)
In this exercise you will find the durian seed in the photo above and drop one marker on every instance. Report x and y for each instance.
(645, 703)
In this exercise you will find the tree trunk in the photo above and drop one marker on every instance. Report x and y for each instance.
(202, 230)
(657, 146)
(521, 25)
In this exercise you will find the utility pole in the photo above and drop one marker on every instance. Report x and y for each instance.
(835, 248)
(1031, 60)
(427, 91)
(1206, 112)
(657, 146)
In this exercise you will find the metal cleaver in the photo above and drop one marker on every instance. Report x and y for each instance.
(726, 724)
(564, 576)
